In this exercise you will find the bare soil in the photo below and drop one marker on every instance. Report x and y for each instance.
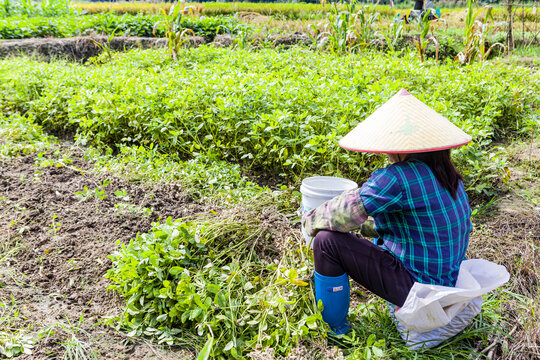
(63, 235)
(81, 48)
(63, 244)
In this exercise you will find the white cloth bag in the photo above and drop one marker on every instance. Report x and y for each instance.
(434, 313)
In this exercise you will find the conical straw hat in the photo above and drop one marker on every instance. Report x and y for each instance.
(404, 124)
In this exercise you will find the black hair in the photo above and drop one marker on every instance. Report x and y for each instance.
(442, 167)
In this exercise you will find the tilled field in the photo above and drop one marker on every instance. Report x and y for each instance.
(62, 248)
(58, 224)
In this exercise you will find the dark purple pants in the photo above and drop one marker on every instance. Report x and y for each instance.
(368, 264)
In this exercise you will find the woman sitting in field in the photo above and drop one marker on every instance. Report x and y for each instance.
(419, 205)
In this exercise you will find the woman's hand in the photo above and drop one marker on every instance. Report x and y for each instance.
(343, 213)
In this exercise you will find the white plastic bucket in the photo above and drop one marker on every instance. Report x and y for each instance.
(318, 189)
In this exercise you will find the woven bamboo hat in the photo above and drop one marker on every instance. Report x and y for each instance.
(404, 124)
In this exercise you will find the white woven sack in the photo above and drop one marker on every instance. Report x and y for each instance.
(434, 313)
(416, 340)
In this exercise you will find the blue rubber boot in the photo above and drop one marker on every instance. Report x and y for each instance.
(334, 294)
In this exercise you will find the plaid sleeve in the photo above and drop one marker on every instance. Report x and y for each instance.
(343, 213)
(381, 193)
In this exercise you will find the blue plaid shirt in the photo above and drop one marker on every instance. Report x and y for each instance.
(419, 221)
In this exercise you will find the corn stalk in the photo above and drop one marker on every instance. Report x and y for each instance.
(394, 34)
(475, 36)
(347, 30)
(421, 41)
(175, 33)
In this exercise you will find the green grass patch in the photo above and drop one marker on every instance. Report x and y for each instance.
(202, 177)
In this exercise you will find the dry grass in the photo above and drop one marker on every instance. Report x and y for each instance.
(512, 238)
(509, 234)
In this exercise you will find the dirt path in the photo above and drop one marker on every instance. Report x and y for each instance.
(79, 48)
(62, 241)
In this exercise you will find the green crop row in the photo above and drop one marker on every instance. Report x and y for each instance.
(19, 27)
(272, 112)
(36, 8)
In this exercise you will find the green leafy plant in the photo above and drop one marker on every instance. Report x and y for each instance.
(179, 279)
(106, 49)
(22, 136)
(55, 225)
(244, 38)
(7, 8)
(394, 34)
(365, 25)
(99, 192)
(133, 209)
(122, 194)
(84, 194)
(14, 341)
